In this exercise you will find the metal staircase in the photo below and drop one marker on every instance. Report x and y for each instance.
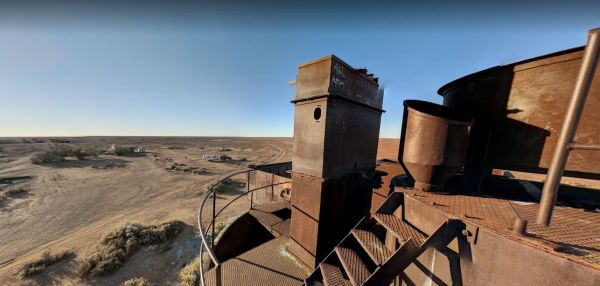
(380, 248)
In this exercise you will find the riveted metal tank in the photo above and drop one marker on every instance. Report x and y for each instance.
(434, 143)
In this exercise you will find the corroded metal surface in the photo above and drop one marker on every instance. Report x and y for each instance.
(389, 170)
(266, 215)
(577, 232)
(434, 143)
(265, 218)
(332, 275)
(267, 264)
(337, 116)
(572, 235)
(372, 245)
(400, 229)
(330, 75)
(355, 268)
(521, 106)
(283, 228)
(273, 207)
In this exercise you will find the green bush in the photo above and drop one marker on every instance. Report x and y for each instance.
(119, 244)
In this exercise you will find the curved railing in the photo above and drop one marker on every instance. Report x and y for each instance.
(204, 231)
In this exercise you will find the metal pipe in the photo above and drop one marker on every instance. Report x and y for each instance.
(248, 187)
(218, 275)
(272, 187)
(570, 122)
(574, 146)
(214, 209)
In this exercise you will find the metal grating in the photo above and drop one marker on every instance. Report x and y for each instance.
(272, 207)
(573, 232)
(332, 275)
(355, 268)
(488, 212)
(372, 245)
(283, 228)
(267, 264)
(576, 230)
(265, 218)
(400, 229)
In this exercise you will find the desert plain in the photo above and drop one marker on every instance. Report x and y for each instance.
(71, 205)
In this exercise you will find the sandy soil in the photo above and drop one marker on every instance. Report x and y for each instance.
(70, 205)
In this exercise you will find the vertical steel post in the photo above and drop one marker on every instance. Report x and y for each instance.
(569, 126)
(218, 275)
(212, 239)
(248, 187)
(272, 187)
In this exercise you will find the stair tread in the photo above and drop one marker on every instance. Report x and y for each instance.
(332, 275)
(399, 228)
(355, 268)
(273, 206)
(267, 219)
(372, 245)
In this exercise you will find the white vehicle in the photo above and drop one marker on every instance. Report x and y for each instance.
(211, 157)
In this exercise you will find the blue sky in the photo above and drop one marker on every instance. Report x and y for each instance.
(199, 69)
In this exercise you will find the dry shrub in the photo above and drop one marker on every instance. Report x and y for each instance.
(136, 282)
(47, 259)
(58, 153)
(190, 274)
(119, 244)
(230, 185)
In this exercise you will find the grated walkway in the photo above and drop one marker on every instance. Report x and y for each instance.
(266, 264)
(574, 233)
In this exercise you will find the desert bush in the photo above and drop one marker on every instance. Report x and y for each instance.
(136, 282)
(190, 274)
(124, 150)
(229, 185)
(220, 226)
(46, 157)
(119, 244)
(58, 153)
(47, 259)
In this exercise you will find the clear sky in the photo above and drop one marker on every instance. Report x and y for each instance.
(204, 69)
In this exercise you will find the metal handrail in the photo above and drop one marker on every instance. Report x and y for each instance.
(565, 142)
(212, 191)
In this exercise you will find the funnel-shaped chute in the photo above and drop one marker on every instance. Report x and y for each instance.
(434, 143)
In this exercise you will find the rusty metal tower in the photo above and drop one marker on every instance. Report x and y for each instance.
(336, 132)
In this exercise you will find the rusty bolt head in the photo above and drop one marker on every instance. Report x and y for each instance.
(466, 232)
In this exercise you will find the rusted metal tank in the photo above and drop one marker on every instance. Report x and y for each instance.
(434, 143)
(519, 109)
